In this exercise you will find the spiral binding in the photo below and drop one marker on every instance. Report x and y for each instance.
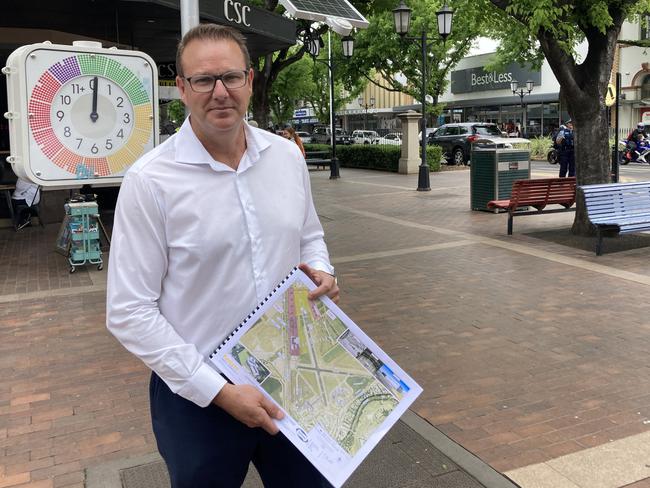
(254, 311)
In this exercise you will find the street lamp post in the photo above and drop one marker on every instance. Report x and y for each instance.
(366, 106)
(402, 19)
(313, 47)
(514, 86)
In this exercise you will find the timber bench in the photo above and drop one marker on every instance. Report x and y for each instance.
(622, 207)
(318, 159)
(538, 193)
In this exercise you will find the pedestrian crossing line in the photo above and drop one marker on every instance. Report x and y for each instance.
(625, 458)
(511, 246)
(60, 292)
(400, 187)
(400, 252)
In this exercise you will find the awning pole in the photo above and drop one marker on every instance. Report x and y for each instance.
(189, 15)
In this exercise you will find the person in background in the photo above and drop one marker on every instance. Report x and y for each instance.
(206, 225)
(565, 142)
(636, 135)
(291, 134)
(25, 196)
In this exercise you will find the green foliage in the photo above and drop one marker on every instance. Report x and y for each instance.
(176, 112)
(539, 147)
(382, 158)
(434, 156)
(518, 24)
(379, 49)
(292, 84)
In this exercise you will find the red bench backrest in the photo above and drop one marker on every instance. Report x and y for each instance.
(543, 191)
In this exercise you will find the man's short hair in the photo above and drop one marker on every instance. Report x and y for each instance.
(211, 32)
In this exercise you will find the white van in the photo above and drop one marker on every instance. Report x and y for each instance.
(364, 136)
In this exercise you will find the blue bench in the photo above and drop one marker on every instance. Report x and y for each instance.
(621, 207)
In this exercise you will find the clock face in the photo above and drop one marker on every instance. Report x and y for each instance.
(90, 115)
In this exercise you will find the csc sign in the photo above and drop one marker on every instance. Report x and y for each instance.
(236, 12)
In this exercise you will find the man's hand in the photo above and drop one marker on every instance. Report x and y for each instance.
(249, 406)
(325, 283)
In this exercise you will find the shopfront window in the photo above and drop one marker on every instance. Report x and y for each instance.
(550, 120)
(533, 120)
(511, 116)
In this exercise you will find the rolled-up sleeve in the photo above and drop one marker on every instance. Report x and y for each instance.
(137, 265)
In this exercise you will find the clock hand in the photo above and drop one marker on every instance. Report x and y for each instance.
(93, 113)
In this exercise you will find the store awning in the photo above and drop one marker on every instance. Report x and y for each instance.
(152, 26)
(482, 102)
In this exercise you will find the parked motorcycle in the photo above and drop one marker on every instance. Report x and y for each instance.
(640, 155)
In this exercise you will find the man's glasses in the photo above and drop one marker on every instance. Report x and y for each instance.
(206, 83)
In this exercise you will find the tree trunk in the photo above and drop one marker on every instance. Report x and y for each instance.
(261, 100)
(592, 155)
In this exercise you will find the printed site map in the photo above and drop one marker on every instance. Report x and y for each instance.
(319, 367)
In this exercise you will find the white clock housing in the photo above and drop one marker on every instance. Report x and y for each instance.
(79, 114)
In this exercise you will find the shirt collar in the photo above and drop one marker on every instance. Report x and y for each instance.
(190, 150)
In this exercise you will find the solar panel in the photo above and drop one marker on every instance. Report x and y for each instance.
(321, 10)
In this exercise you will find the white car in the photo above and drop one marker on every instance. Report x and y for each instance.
(305, 137)
(392, 139)
(364, 136)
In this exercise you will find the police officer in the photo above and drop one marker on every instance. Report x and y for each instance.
(567, 154)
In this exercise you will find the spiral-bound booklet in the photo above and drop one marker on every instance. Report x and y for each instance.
(339, 391)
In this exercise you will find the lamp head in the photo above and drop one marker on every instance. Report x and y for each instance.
(402, 18)
(348, 46)
(513, 86)
(313, 46)
(445, 17)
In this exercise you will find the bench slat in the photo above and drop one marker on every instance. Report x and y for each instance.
(625, 206)
(537, 193)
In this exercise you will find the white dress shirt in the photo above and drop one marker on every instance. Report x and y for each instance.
(196, 245)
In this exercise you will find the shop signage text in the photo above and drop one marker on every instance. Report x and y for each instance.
(236, 12)
(477, 79)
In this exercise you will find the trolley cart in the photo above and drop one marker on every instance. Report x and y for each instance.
(83, 227)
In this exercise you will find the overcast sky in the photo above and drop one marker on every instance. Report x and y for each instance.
(483, 45)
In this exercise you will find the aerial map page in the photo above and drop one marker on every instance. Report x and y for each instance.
(339, 391)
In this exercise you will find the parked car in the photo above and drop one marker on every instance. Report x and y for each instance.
(392, 139)
(322, 135)
(429, 131)
(456, 139)
(364, 136)
(305, 137)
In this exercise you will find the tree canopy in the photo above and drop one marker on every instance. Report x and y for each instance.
(531, 30)
(379, 50)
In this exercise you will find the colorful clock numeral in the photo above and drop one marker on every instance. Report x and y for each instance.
(50, 115)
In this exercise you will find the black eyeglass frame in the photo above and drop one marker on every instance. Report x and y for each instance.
(216, 78)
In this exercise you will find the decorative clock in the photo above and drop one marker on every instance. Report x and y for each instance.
(79, 114)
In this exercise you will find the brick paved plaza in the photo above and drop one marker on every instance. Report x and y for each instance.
(527, 350)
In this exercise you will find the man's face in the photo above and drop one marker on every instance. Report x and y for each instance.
(570, 125)
(221, 109)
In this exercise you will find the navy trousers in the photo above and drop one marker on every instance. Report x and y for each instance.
(208, 448)
(567, 163)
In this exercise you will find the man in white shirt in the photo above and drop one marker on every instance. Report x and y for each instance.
(206, 225)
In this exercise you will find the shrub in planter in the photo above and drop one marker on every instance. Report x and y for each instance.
(382, 158)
